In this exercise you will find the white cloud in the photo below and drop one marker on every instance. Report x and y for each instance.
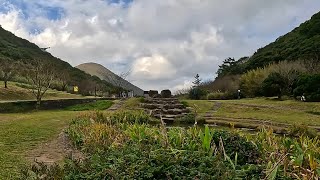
(165, 43)
(155, 67)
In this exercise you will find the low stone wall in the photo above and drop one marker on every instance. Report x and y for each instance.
(23, 106)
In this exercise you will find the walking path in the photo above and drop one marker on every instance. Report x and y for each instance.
(117, 105)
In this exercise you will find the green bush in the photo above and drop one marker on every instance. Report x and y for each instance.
(197, 93)
(234, 144)
(185, 104)
(308, 85)
(273, 85)
(221, 96)
(187, 119)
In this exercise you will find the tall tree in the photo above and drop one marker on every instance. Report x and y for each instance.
(40, 75)
(7, 70)
(232, 67)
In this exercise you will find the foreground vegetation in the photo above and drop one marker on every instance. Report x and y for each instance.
(123, 145)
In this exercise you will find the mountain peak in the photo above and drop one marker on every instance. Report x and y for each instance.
(104, 73)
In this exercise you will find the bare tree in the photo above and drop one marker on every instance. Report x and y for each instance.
(40, 75)
(7, 70)
(120, 80)
(64, 78)
(290, 71)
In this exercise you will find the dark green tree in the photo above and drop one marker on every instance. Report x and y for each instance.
(231, 67)
(273, 85)
(308, 85)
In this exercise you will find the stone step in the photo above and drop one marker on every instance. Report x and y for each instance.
(165, 99)
(161, 101)
(168, 120)
(151, 106)
(175, 116)
(173, 106)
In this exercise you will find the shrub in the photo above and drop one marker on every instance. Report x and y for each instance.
(273, 85)
(251, 82)
(234, 144)
(197, 93)
(221, 96)
(187, 119)
(309, 85)
(185, 104)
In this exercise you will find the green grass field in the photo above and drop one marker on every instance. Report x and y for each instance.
(288, 111)
(20, 133)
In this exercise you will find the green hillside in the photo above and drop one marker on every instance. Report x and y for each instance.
(18, 49)
(302, 43)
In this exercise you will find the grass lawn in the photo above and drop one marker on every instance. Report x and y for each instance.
(22, 132)
(288, 111)
(98, 105)
(132, 103)
(202, 105)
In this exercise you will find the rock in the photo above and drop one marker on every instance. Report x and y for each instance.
(153, 93)
(166, 93)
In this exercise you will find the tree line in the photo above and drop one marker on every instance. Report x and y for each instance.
(285, 78)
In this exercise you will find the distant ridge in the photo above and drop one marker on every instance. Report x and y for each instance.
(103, 73)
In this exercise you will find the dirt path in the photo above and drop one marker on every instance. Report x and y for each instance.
(117, 105)
(54, 151)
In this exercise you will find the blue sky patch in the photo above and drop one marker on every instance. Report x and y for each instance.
(27, 9)
(126, 2)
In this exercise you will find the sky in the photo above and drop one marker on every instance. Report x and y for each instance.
(164, 44)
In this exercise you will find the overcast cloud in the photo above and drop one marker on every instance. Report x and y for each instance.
(164, 43)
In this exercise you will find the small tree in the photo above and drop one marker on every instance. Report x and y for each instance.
(40, 76)
(197, 81)
(64, 79)
(250, 82)
(7, 70)
(196, 92)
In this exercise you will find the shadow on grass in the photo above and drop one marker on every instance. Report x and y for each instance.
(313, 112)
